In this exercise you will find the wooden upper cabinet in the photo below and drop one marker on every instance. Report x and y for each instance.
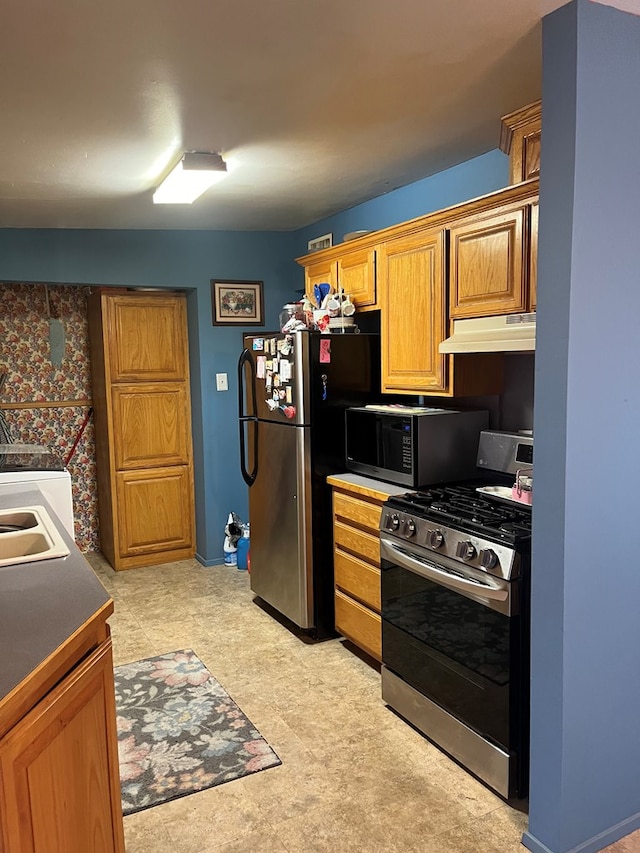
(533, 256)
(413, 312)
(147, 340)
(320, 273)
(353, 271)
(531, 155)
(520, 138)
(357, 276)
(486, 270)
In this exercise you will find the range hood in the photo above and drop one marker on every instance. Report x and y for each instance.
(504, 333)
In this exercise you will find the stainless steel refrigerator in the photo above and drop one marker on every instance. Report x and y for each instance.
(293, 390)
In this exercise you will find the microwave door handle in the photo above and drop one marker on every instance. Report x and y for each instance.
(440, 575)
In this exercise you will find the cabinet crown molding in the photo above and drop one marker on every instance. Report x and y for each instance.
(522, 192)
(516, 120)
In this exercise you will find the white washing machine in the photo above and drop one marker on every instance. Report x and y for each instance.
(32, 465)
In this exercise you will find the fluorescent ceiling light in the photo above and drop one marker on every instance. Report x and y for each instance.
(193, 175)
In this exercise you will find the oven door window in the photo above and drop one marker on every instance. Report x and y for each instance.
(457, 651)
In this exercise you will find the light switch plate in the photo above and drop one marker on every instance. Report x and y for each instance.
(222, 383)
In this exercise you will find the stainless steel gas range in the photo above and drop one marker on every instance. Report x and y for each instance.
(455, 615)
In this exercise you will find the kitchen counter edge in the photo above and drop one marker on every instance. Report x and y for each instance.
(44, 606)
(366, 486)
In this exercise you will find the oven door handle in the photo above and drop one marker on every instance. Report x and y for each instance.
(441, 575)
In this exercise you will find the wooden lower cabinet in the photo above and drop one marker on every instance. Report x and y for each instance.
(155, 511)
(359, 623)
(357, 506)
(59, 779)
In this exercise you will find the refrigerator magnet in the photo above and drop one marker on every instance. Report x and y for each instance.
(285, 370)
(325, 351)
(268, 380)
(261, 362)
(289, 394)
(258, 344)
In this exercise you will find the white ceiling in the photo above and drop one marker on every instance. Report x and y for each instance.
(315, 106)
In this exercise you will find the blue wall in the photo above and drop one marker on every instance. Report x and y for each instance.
(465, 181)
(185, 260)
(188, 260)
(585, 748)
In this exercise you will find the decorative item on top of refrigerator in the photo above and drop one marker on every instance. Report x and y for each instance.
(293, 317)
(334, 311)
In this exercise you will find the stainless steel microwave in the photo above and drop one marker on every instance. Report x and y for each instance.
(413, 446)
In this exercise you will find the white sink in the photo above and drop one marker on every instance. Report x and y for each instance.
(34, 537)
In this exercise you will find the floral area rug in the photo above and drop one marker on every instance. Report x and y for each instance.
(180, 732)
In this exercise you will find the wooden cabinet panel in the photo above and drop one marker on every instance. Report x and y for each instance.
(357, 511)
(147, 339)
(413, 318)
(155, 429)
(319, 273)
(357, 276)
(357, 507)
(357, 578)
(354, 272)
(531, 158)
(142, 409)
(60, 789)
(357, 541)
(155, 510)
(359, 624)
(486, 264)
(533, 257)
(520, 138)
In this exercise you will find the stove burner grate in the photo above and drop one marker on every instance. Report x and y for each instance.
(460, 506)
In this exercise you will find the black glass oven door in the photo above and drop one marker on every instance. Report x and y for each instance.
(460, 648)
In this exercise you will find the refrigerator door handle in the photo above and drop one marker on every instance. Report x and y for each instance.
(248, 476)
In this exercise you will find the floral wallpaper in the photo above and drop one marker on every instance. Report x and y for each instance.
(32, 377)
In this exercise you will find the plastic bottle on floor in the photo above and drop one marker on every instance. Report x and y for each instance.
(230, 553)
(243, 549)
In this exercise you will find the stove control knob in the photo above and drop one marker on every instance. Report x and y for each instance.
(465, 550)
(488, 559)
(435, 538)
(393, 522)
(410, 527)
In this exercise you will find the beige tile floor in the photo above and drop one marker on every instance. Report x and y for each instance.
(354, 776)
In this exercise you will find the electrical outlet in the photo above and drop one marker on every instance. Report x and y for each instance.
(221, 382)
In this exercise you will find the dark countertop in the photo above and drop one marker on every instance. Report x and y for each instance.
(41, 603)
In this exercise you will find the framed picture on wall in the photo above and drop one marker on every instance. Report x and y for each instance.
(237, 303)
